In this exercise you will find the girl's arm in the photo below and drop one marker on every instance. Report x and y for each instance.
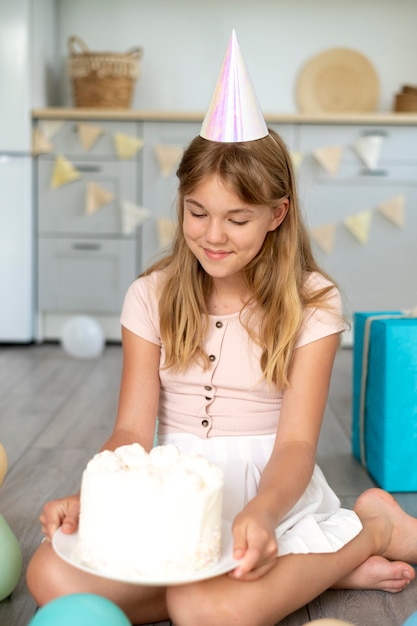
(135, 422)
(139, 393)
(292, 461)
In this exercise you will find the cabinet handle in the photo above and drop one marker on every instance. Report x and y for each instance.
(88, 168)
(367, 171)
(372, 133)
(86, 246)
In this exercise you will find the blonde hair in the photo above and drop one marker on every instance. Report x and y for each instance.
(260, 173)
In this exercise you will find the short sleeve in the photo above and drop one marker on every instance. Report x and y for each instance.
(322, 322)
(140, 312)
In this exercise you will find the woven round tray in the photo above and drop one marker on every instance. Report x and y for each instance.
(102, 79)
(338, 80)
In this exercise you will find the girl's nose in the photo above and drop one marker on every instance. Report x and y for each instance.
(215, 232)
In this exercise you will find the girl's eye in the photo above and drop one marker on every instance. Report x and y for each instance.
(197, 214)
(239, 223)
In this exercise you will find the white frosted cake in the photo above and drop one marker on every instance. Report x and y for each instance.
(146, 514)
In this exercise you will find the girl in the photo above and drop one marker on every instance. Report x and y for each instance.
(230, 341)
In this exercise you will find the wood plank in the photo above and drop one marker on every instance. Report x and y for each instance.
(366, 608)
(41, 475)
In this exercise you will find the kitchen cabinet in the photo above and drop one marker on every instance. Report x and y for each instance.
(86, 259)
(375, 274)
(160, 189)
(91, 250)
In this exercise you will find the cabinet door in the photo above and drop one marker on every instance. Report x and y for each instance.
(63, 210)
(160, 189)
(85, 275)
(373, 274)
(376, 275)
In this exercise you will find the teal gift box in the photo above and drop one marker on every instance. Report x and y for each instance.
(384, 425)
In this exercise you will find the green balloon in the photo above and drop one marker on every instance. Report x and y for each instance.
(10, 560)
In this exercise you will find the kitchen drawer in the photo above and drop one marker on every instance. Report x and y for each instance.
(67, 141)
(62, 210)
(325, 203)
(312, 172)
(85, 275)
(399, 143)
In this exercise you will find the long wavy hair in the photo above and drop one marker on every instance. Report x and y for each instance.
(260, 173)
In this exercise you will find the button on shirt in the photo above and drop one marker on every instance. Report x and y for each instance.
(229, 397)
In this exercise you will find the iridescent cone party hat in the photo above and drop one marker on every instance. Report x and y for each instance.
(234, 113)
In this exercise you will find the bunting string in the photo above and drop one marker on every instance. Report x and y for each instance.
(367, 148)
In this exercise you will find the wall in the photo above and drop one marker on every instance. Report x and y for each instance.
(184, 43)
(44, 44)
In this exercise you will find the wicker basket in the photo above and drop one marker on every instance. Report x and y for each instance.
(102, 80)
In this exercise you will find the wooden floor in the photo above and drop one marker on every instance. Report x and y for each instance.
(55, 412)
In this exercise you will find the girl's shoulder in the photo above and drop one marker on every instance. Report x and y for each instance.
(142, 294)
(148, 284)
(316, 281)
(324, 315)
(140, 313)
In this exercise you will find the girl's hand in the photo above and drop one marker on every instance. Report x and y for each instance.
(255, 544)
(63, 512)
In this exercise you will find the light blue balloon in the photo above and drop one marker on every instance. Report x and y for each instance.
(411, 621)
(80, 609)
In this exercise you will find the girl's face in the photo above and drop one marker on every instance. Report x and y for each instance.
(223, 232)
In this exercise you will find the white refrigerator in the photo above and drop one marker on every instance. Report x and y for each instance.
(17, 231)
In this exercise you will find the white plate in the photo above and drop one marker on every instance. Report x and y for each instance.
(64, 545)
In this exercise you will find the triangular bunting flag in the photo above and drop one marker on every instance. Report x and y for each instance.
(96, 198)
(329, 158)
(40, 143)
(296, 158)
(166, 231)
(88, 134)
(325, 237)
(168, 158)
(359, 225)
(368, 149)
(64, 172)
(394, 210)
(133, 216)
(52, 127)
(126, 146)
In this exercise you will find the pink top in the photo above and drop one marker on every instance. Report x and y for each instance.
(230, 397)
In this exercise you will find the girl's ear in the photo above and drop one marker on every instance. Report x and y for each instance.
(280, 211)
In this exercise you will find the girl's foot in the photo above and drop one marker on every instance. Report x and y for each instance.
(399, 542)
(402, 541)
(377, 572)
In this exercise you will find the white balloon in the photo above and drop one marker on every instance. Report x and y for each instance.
(83, 337)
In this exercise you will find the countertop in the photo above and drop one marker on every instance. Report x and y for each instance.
(385, 118)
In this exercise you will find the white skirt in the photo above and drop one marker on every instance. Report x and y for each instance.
(317, 523)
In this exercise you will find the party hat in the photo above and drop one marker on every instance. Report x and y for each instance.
(234, 113)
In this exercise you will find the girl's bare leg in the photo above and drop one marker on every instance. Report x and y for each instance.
(49, 577)
(297, 579)
(387, 534)
(379, 572)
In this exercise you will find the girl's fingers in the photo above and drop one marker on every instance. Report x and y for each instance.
(60, 513)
